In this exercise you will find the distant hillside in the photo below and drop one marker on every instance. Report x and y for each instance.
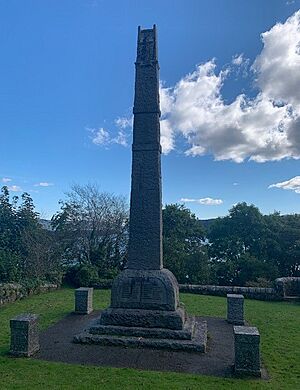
(207, 222)
(46, 224)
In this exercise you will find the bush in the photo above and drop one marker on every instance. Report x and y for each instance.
(9, 266)
(55, 277)
(259, 282)
(86, 276)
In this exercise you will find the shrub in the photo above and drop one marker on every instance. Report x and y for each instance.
(9, 266)
(86, 276)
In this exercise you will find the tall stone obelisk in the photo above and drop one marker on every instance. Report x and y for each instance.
(145, 296)
(145, 285)
(145, 237)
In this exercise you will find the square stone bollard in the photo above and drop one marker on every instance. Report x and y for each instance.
(24, 336)
(84, 300)
(235, 309)
(246, 350)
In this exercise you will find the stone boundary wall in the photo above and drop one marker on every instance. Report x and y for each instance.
(260, 293)
(265, 294)
(284, 287)
(11, 292)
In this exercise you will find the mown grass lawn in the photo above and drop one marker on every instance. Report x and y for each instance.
(278, 322)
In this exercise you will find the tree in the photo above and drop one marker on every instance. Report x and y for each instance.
(239, 246)
(26, 249)
(184, 248)
(284, 242)
(9, 229)
(92, 228)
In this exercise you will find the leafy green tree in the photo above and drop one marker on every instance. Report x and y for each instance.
(91, 228)
(26, 249)
(184, 248)
(9, 229)
(239, 246)
(284, 242)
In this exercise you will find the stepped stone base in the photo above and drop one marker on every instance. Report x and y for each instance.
(186, 333)
(174, 319)
(192, 338)
(145, 313)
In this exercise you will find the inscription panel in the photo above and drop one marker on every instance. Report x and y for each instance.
(142, 292)
(153, 290)
(131, 290)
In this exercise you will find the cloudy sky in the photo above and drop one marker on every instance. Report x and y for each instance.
(230, 99)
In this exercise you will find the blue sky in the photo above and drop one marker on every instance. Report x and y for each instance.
(230, 99)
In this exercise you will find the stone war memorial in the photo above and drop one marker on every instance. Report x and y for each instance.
(145, 312)
(145, 308)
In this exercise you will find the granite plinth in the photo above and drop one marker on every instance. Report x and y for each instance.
(24, 335)
(246, 349)
(84, 300)
(235, 309)
(197, 343)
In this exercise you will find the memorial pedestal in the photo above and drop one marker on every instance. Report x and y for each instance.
(145, 312)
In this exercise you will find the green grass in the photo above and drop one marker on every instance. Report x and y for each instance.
(278, 322)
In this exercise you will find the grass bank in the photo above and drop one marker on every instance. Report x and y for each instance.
(278, 322)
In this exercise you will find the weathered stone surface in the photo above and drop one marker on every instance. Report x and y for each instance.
(187, 333)
(246, 348)
(235, 309)
(84, 300)
(196, 344)
(24, 335)
(145, 229)
(140, 289)
(144, 318)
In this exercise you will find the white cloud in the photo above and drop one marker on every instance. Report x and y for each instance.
(120, 139)
(235, 184)
(15, 188)
(237, 59)
(124, 122)
(99, 136)
(102, 137)
(43, 184)
(292, 184)
(263, 128)
(6, 180)
(240, 65)
(205, 201)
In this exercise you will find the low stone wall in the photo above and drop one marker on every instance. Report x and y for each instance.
(11, 292)
(260, 293)
(284, 287)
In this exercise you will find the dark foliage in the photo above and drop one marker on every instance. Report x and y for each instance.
(246, 246)
(183, 242)
(89, 238)
(27, 251)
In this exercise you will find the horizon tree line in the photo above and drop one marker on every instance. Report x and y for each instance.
(89, 238)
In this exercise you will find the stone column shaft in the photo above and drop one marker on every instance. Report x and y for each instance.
(145, 234)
